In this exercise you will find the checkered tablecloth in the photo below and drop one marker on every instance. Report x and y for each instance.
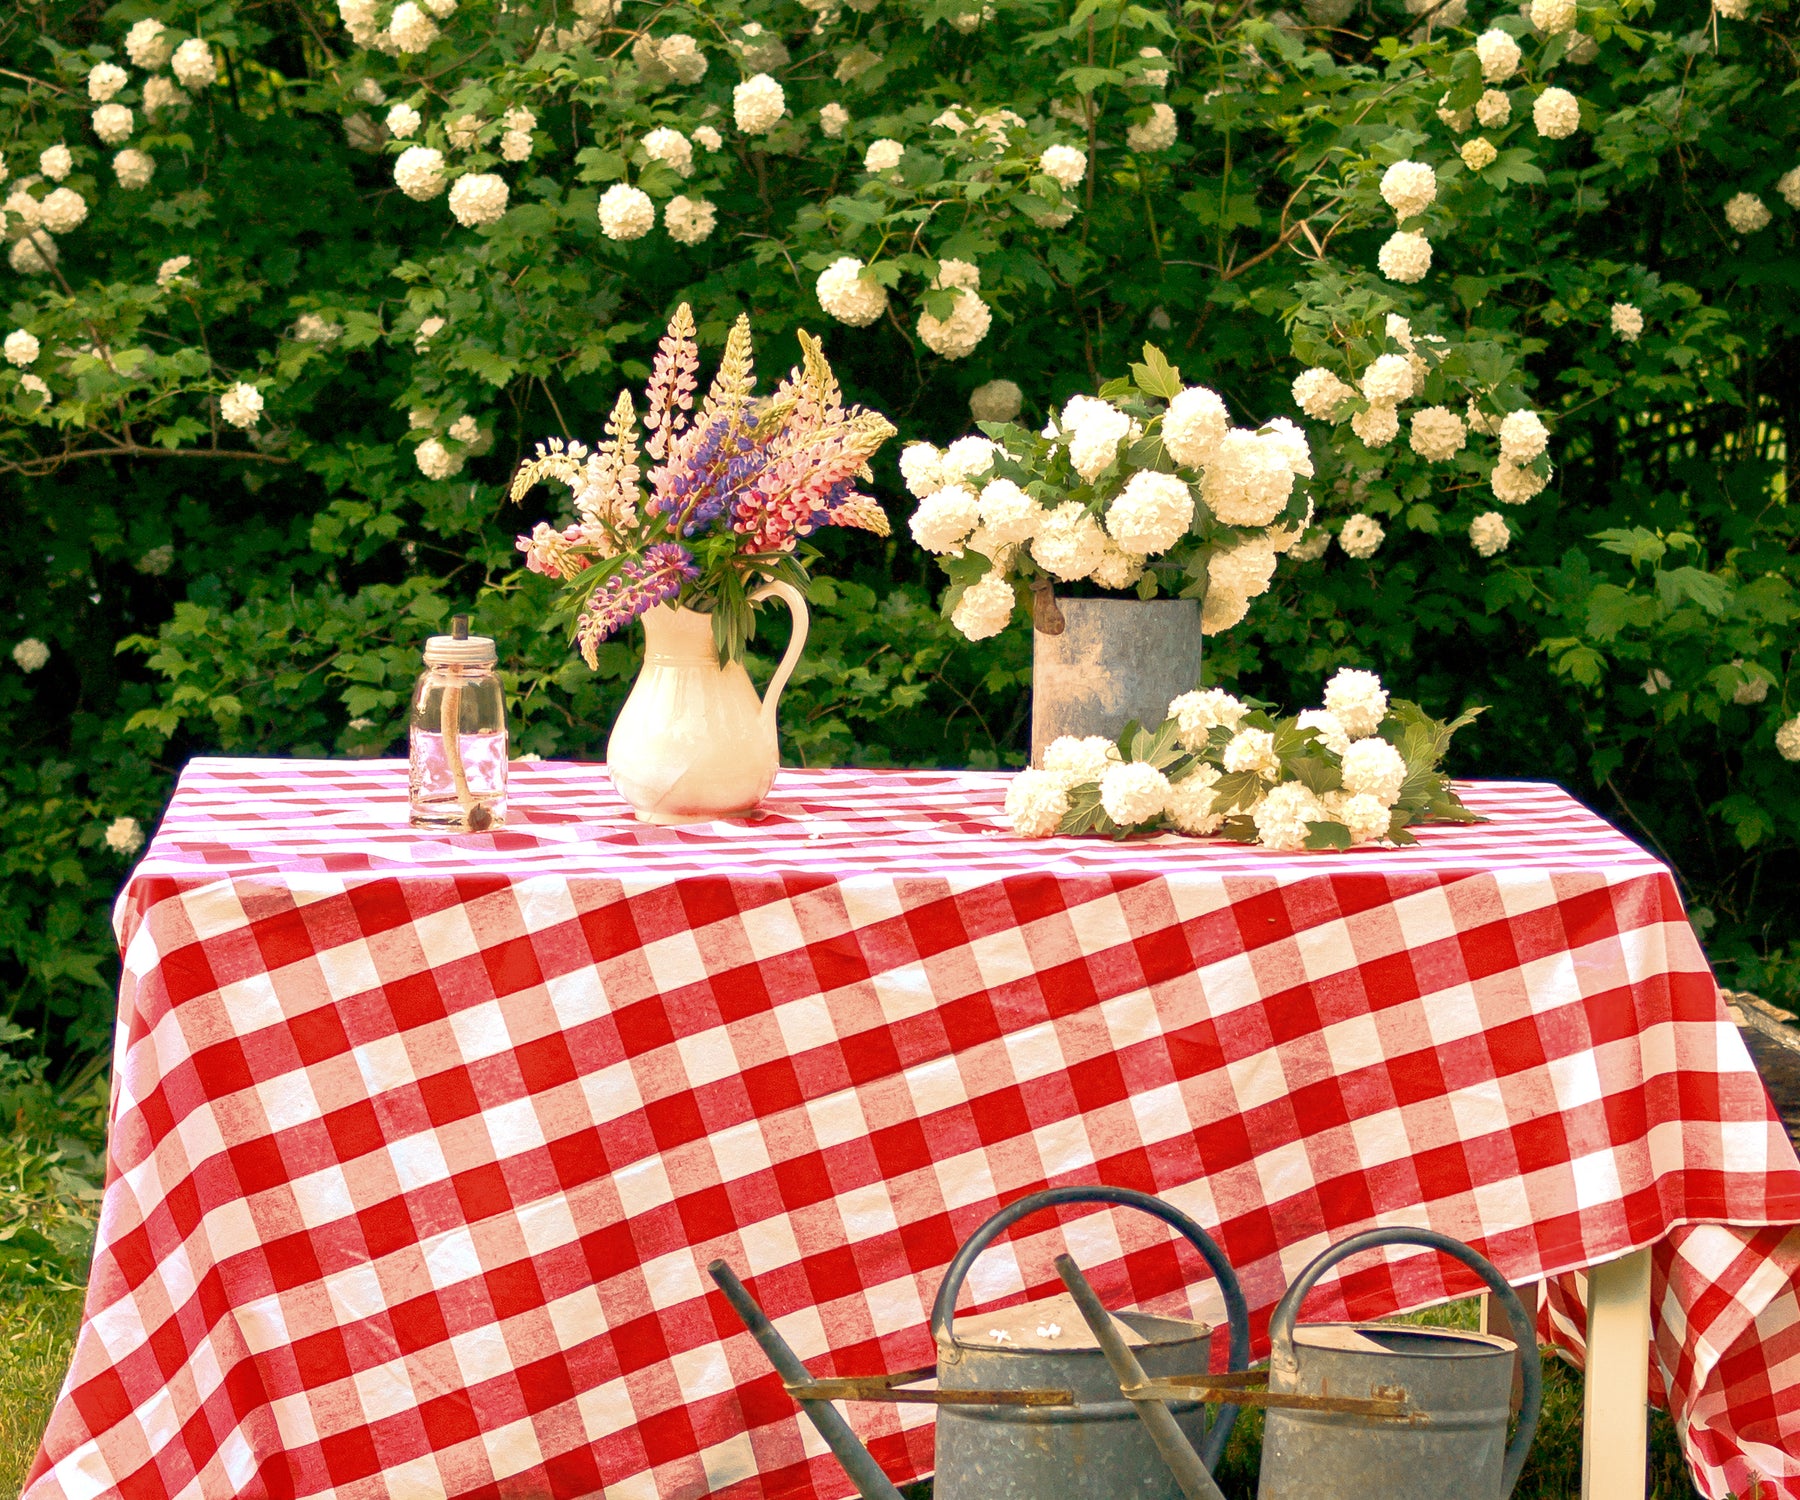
(420, 1144)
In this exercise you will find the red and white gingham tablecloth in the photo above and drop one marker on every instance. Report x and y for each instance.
(420, 1144)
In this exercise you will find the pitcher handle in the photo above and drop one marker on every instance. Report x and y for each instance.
(796, 603)
(1281, 1322)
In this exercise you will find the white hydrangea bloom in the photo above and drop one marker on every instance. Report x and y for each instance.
(1190, 803)
(1361, 536)
(1656, 681)
(419, 172)
(967, 458)
(1788, 185)
(370, 92)
(1157, 133)
(689, 220)
(625, 212)
(1553, 17)
(1198, 713)
(1787, 739)
(1374, 768)
(956, 336)
(30, 654)
(1358, 700)
(1151, 513)
(1066, 164)
(21, 348)
(945, 518)
(403, 122)
(55, 162)
(1493, 109)
(1406, 257)
(832, 120)
(1489, 534)
(62, 210)
(170, 271)
(124, 836)
(464, 131)
(1438, 434)
(147, 45)
(1556, 113)
(1499, 55)
(1313, 545)
(1244, 571)
(1133, 792)
(1753, 689)
(1627, 321)
(1389, 378)
(1252, 750)
(113, 123)
(1221, 609)
(1248, 478)
(1117, 569)
(848, 295)
(997, 401)
(1478, 153)
(1514, 484)
(1732, 10)
(466, 430)
(1523, 436)
(104, 80)
(194, 64)
(921, 467)
(1069, 542)
(985, 609)
(1036, 802)
(681, 56)
(1365, 817)
(1008, 514)
(133, 168)
(435, 461)
(478, 198)
(1194, 426)
(883, 155)
(1377, 425)
(1095, 428)
(1329, 728)
(757, 104)
(411, 29)
(1080, 758)
(1284, 816)
(33, 255)
(1459, 120)
(161, 94)
(1744, 212)
(1409, 188)
(241, 405)
(1319, 393)
(515, 145)
(1581, 48)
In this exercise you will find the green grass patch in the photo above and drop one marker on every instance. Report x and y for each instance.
(37, 1337)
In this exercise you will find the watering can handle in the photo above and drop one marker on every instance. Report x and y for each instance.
(1237, 1311)
(1281, 1323)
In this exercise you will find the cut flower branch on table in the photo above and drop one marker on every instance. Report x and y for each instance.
(1363, 769)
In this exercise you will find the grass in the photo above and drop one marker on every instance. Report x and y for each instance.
(37, 1333)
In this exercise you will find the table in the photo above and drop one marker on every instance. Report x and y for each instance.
(419, 1144)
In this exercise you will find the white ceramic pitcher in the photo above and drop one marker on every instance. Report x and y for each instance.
(692, 742)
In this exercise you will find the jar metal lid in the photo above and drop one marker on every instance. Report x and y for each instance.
(471, 651)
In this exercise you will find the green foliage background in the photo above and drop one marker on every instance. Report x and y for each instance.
(205, 591)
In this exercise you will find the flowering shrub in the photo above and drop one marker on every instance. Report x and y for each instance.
(289, 300)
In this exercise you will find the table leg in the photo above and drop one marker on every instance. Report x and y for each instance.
(1615, 1417)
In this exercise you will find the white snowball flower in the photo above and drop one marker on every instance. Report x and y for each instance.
(1095, 429)
(411, 29)
(1489, 534)
(1283, 818)
(1752, 689)
(968, 458)
(1069, 542)
(134, 169)
(1376, 425)
(1066, 164)
(370, 92)
(1557, 114)
(113, 123)
(997, 401)
(1787, 739)
(104, 80)
(1221, 609)
(21, 348)
(419, 172)
(1117, 569)
(1151, 513)
(1478, 153)
(403, 122)
(161, 94)
(465, 429)
(1080, 758)
(1319, 393)
(358, 17)
(1190, 803)
(147, 45)
(680, 55)
(35, 386)
(1331, 732)
(194, 64)
(1252, 750)
(30, 654)
(1409, 187)
(1133, 792)
(478, 198)
(1523, 437)
(1312, 546)
(515, 145)
(1499, 55)
(921, 467)
(956, 336)
(882, 155)
(1244, 571)
(56, 162)
(1581, 48)
(1438, 434)
(945, 518)
(1493, 109)
(1406, 257)
(1036, 802)
(435, 461)
(62, 210)
(464, 131)
(1157, 133)
(1788, 185)
(170, 271)
(1198, 713)
(1514, 484)
(1374, 768)
(1248, 478)
(1365, 817)
(832, 120)
(1553, 17)
(1744, 212)
(1361, 536)
(1389, 379)
(626, 213)
(848, 295)
(241, 405)
(310, 328)
(757, 104)
(1732, 10)
(985, 609)
(1627, 321)
(1458, 120)
(124, 836)
(708, 139)
(1358, 700)
(1194, 426)
(1008, 514)
(33, 255)
(672, 148)
(689, 220)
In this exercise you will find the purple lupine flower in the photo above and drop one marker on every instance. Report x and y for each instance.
(637, 588)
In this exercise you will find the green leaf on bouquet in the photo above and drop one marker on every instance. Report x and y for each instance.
(1237, 789)
(1156, 376)
(1242, 829)
(1315, 773)
(1327, 836)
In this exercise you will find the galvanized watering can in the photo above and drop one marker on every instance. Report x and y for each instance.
(1359, 1409)
(1028, 1405)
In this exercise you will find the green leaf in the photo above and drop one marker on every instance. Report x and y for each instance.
(1156, 376)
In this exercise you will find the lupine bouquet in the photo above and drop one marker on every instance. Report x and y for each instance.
(1360, 770)
(734, 489)
(1146, 487)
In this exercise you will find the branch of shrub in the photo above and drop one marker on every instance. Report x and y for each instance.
(49, 464)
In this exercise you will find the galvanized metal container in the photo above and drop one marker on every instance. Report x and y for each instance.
(1114, 660)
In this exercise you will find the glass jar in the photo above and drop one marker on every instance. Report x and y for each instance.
(458, 777)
